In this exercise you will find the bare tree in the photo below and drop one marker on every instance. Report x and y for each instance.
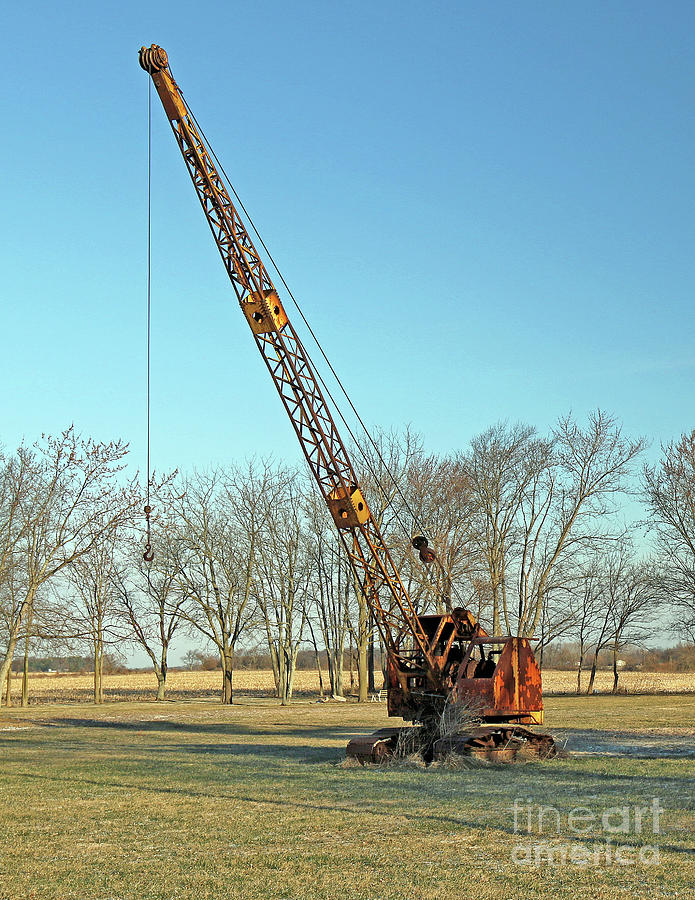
(440, 499)
(91, 614)
(540, 504)
(592, 464)
(627, 598)
(15, 473)
(151, 599)
(392, 468)
(329, 586)
(590, 589)
(15, 478)
(501, 465)
(669, 489)
(68, 497)
(218, 520)
(12, 593)
(282, 580)
(381, 468)
(635, 596)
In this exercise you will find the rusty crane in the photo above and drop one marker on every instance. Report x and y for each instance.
(432, 660)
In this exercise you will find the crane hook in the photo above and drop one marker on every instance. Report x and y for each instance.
(426, 554)
(148, 555)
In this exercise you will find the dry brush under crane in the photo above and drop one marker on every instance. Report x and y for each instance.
(433, 661)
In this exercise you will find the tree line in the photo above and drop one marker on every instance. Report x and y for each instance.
(528, 528)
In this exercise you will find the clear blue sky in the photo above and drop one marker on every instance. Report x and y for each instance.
(485, 209)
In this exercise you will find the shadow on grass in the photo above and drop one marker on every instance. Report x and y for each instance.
(586, 742)
(221, 728)
(296, 752)
(361, 807)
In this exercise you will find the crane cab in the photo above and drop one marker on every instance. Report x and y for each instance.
(497, 678)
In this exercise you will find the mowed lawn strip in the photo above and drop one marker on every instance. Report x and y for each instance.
(178, 800)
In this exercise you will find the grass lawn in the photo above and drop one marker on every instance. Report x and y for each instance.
(190, 799)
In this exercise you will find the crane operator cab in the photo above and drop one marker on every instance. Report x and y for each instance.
(496, 676)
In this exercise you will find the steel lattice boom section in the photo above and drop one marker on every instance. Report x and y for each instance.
(296, 383)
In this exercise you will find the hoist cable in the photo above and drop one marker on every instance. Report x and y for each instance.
(148, 555)
(149, 271)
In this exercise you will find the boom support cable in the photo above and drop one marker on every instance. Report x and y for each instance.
(415, 518)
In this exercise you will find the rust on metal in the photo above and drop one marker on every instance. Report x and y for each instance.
(499, 675)
(501, 743)
(427, 554)
(493, 743)
(264, 312)
(156, 63)
(376, 747)
(148, 555)
(294, 378)
(430, 659)
(349, 509)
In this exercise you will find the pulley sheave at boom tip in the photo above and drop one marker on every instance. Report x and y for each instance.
(153, 59)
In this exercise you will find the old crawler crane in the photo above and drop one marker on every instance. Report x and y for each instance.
(433, 660)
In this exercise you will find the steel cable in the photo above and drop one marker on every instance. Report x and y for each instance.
(416, 521)
(148, 555)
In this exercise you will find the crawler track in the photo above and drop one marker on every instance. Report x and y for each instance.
(495, 743)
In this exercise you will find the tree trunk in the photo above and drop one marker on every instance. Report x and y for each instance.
(25, 679)
(317, 659)
(331, 662)
(13, 637)
(227, 657)
(100, 682)
(94, 674)
(162, 671)
(272, 650)
(592, 674)
(291, 664)
(282, 670)
(370, 663)
(25, 672)
(579, 672)
(338, 686)
(496, 628)
(615, 670)
(362, 648)
(98, 671)
(8, 686)
(161, 684)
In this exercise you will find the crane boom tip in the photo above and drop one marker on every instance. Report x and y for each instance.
(153, 59)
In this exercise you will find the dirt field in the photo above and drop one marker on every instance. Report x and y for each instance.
(147, 801)
(259, 685)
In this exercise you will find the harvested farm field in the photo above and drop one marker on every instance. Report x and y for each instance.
(259, 684)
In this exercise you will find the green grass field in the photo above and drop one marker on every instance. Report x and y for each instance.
(192, 800)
